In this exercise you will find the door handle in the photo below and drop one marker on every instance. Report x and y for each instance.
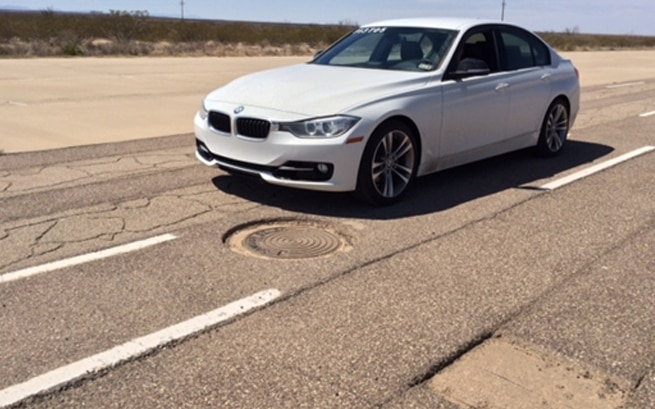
(546, 76)
(502, 86)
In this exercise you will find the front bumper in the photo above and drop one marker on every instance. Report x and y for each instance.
(283, 159)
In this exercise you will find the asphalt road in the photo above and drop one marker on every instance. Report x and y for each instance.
(407, 304)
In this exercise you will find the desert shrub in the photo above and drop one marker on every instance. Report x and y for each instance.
(72, 50)
(49, 33)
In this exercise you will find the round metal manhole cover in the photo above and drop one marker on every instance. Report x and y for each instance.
(286, 240)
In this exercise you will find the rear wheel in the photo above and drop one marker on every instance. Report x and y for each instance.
(554, 129)
(389, 164)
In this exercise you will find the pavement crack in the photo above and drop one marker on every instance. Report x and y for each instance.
(73, 168)
(138, 161)
(449, 360)
(163, 225)
(30, 171)
(135, 204)
(46, 231)
(105, 161)
(54, 248)
(196, 201)
(644, 376)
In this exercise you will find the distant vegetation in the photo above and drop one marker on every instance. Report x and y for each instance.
(48, 33)
(572, 41)
(136, 33)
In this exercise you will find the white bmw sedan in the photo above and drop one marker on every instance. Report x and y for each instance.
(389, 102)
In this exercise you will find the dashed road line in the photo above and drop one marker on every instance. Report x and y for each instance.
(627, 84)
(131, 350)
(85, 258)
(16, 103)
(646, 114)
(595, 169)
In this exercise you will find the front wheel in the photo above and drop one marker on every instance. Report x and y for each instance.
(554, 129)
(388, 165)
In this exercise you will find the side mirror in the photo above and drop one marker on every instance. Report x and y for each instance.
(470, 67)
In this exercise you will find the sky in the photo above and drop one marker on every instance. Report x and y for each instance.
(584, 16)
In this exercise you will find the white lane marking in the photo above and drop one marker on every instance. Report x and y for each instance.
(85, 258)
(596, 168)
(627, 84)
(16, 103)
(131, 350)
(645, 114)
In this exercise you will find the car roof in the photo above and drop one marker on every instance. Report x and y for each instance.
(448, 23)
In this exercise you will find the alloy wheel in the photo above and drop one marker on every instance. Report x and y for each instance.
(393, 164)
(557, 127)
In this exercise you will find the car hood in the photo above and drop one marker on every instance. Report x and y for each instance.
(316, 90)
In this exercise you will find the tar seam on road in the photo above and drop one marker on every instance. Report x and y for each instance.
(85, 258)
(595, 169)
(131, 350)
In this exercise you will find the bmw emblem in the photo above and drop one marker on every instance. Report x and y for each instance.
(239, 109)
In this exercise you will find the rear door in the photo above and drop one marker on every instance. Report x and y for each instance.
(527, 60)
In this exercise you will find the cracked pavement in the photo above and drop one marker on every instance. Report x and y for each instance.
(120, 221)
(110, 222)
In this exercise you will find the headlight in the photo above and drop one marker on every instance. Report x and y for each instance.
(203, 112)
(330, 127)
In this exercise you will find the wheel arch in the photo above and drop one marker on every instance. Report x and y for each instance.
(563, 98)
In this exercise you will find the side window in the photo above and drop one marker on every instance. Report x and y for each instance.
(517, 51)
(540, 51)
(478, 46)
(522, 50)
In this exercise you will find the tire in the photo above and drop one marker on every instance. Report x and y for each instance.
(388, 165)
(554, 129)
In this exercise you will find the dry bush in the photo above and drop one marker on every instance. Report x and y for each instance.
(574, 41)
(136, 33)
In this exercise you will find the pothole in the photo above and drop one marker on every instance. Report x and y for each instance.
(286, 239)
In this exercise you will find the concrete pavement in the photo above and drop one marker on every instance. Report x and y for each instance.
(54, 103)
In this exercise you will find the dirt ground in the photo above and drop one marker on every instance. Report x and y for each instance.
(613, 67)
(58, 102)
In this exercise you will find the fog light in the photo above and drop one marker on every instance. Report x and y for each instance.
(323, 168)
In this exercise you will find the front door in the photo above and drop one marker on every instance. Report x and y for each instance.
(475, 109)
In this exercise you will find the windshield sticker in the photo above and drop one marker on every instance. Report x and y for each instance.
(370, 30)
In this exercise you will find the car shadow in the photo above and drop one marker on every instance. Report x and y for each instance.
(430, 194)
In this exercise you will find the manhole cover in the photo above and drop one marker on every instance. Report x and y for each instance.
(286, 240)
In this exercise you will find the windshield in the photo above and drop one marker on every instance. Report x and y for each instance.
(390, 48)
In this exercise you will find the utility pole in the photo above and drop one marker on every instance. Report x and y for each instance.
(182, 9)
(502, 13)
